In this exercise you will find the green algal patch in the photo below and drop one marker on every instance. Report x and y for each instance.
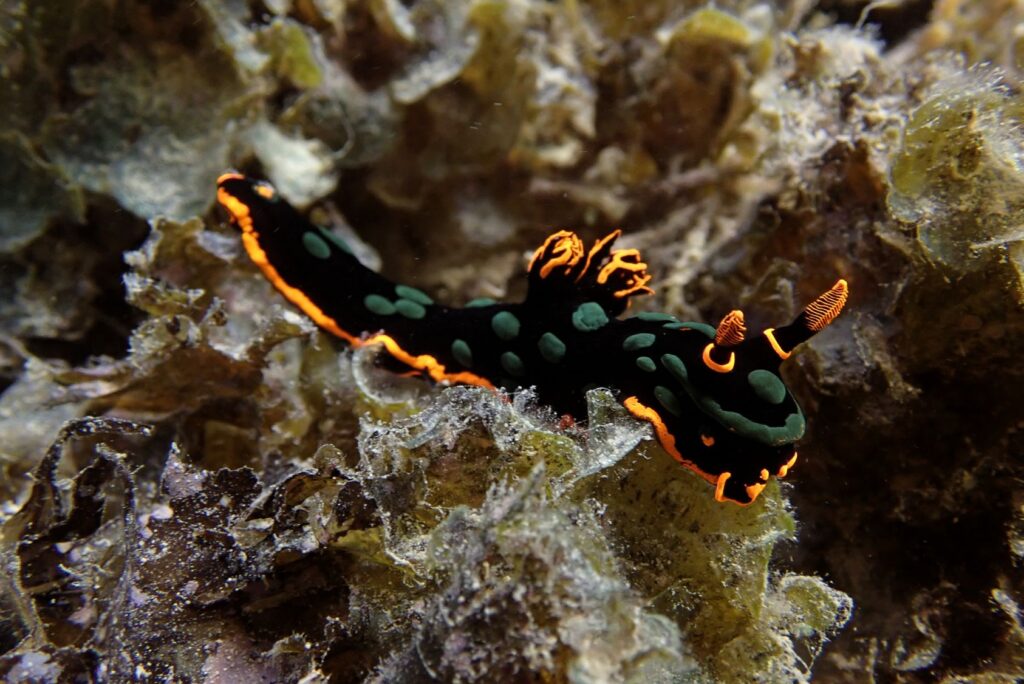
(957, 173)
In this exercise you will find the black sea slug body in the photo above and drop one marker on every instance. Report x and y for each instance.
(714, 396)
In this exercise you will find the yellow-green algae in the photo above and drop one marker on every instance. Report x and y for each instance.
(958, 172)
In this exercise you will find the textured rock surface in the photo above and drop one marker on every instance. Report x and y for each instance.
(199, 486)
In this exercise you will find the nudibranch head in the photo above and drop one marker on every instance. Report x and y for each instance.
(750, 419)
(736, 381)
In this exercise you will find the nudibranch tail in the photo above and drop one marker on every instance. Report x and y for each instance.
(317, 272)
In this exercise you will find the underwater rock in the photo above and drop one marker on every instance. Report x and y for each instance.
(33, 194)
(199, 485)
(164, 166)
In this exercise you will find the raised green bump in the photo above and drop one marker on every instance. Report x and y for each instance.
(789, 432)
(410, 309)
(378, 305)
(655, 317)
(551, 348)
(505, 325)
(674, 365)
(767, 386)
(589, 316)
(667, 399)
(638, 341)
(480, 301)
(646, 363)
(512, 364)
(692, 325)
(462, 353)
(316, 245)
(334, 239)
(411, 293)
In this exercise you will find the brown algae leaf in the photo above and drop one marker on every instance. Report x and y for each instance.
(69, 547)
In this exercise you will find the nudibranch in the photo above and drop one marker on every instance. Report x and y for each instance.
(713, 395)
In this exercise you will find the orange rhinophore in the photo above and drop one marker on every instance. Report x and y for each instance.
(825, 308)
(732, 330)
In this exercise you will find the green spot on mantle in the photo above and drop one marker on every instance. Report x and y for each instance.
(413, 294)
(773, 435)
(334, 239)
(505, 325)
(668, 400)
(655, 317)
(378, 305)
(792, 430)
(646, 363)
(410, 309)
(674, 365)
(767, 386)
(589, 316)
(692, 325)
(316, 245)
(462, 353)
(477, 303)
(638, 341)
(512, 364)
(551, 348)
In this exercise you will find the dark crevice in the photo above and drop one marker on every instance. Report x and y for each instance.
(86, 262)
(892, 23)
